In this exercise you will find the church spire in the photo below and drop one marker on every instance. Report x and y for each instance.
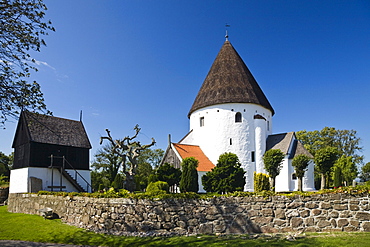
(229, 81)
(227, 35)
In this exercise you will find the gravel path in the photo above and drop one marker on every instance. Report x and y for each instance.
(6, 243)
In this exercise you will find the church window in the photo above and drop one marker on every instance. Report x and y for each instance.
(238, 117)
(201, 121)
(253, 158)
(268, 125)
(231, 141)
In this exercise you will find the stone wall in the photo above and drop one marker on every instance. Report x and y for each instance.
(219, 215)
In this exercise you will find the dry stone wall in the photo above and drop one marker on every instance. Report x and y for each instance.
(219, 215)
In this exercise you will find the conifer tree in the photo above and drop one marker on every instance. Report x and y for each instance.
(189, 176)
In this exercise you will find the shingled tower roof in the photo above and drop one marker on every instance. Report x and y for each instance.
(52, 130)
(229, 81)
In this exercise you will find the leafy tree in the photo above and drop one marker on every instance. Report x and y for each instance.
(5, 163)
(273, 159)
(344, 171)
(99, 181)
(127, 150)
(169, 174)
(365, 172)
(189, 176)
(108, 164)
(118, 182)
(324, 160)
(148, 159)
(21, 30)
(143, 172)
(345, 141)
(300, 164)
(227, 176)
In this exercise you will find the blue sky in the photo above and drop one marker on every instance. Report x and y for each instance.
(142, 62)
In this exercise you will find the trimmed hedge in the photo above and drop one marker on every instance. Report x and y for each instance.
(111, 193)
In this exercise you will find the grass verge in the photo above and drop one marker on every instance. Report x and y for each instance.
(34, 228)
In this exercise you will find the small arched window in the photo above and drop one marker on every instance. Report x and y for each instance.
(201, 120)
(238, 117)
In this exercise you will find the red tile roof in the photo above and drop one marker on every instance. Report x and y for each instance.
(186, 151)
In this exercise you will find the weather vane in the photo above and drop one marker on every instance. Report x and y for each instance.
(227, 35)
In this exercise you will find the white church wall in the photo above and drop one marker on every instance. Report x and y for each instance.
(19, 179)
(309, 180)
(200, 175)
(285, 181)
(282, 181)
(188, 139)
(260, 140)
(216, 132)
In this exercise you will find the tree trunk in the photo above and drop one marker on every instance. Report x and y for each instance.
(323, 182)
(299, 184)
(130, 182)
(272, 183)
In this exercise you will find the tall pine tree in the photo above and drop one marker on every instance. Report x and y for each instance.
(189, 176)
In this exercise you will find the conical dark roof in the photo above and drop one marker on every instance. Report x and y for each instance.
(229, 81)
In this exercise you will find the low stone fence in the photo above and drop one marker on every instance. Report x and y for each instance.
(219, 215)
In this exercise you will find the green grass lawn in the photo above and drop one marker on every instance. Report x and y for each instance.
(34, 228)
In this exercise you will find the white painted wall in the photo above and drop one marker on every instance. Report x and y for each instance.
(308, 179)
(282, 181)
(260, 139)
(220, 128)
(285, 182)
(19, 179)
(200, 175)
(83, 180)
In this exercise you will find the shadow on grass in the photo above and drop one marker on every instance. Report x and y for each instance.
(89, 238)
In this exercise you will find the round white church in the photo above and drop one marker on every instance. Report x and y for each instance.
(232, 114)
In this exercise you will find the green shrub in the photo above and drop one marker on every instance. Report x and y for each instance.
(159, 185)
(227, 176)
(261, 182)
(4, 181)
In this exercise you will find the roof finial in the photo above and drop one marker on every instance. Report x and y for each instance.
(227, 35)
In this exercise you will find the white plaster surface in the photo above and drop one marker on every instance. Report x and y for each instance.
(200, 175)
(19, 179)
(221, 133)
